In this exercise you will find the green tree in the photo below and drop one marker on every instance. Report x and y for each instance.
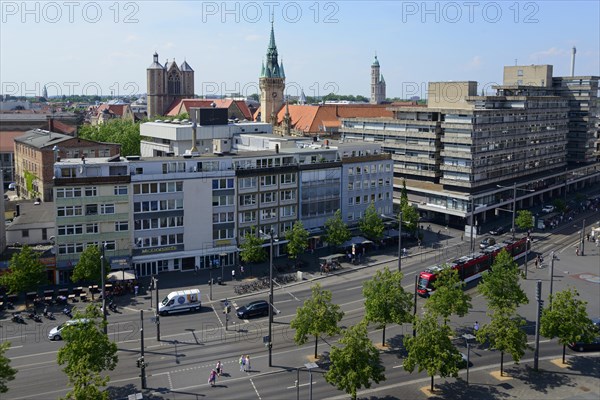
(431, 349)
(251, 249)
(505, 333)
(371, 224)
(524, 220)
(357, 363)
(410, 214)
(317, 316)
(25, 272)
(297, 240)
(386, 301)
(87, 353)
(567, 319)
(449, 296)
(337, 231)
(124, 132)
(89, 266)
(6, 372)
(501, 285)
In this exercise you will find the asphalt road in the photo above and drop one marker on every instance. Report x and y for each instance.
(191, 344)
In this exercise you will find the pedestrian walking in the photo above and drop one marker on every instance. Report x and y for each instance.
(476, 327)
(212, 378)
(242, 361)
(136, 289)
(248, 369)
(241, 270)
(233, 274)
(577, 251)
(219, 368)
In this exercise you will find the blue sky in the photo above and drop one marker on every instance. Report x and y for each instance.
(106, 46)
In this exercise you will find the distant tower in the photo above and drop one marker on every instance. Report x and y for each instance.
(573, 51)
(167, 83)
(377, 84)
(272, 83)
(302, 97)
(45, 93)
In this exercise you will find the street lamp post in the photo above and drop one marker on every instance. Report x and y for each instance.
(551, 277)
(514, 209)
(271, 307)
(415, 306)
(271, 299)
(583, 237)
(468, 337)
(514, 204)
(105, 328)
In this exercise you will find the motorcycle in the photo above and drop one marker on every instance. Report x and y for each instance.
(48, 314)
(67, 312)
(17, 318)
(112, 307)
(34, 317)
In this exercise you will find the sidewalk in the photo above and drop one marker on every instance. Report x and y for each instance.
(448, 244)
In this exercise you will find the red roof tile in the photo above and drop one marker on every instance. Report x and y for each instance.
(7, 140)
(314, 119)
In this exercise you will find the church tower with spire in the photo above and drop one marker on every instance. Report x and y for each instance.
(271, 83)
(166, 84)
(377, 84)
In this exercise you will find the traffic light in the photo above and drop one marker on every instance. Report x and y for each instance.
(227, 310)
(541, 306)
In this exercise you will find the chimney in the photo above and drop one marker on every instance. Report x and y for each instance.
(194, 149)
(573, 61)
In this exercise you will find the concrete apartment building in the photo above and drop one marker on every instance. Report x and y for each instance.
(37, 150)
(92, 207)
(582, 95)
(455, 152)
(152, 212)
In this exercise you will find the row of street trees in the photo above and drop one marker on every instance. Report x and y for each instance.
(336, 232)
(357, 364)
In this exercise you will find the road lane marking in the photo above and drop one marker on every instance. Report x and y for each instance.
(302, 384)
(255, 389)
(398, 366)
(355, 287)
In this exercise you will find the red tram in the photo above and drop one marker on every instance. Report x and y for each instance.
(472, 266)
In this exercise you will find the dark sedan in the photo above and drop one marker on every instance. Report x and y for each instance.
(255, 309)
(498, 231)
(594, 345)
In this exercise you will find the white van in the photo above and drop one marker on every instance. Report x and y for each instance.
(180, 301)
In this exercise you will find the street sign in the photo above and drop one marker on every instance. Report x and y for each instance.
(226, 303)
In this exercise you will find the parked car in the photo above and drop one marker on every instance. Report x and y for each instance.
(594, 345)
(257, 308)
(548, 209)
(490, 241)
(498, 231)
